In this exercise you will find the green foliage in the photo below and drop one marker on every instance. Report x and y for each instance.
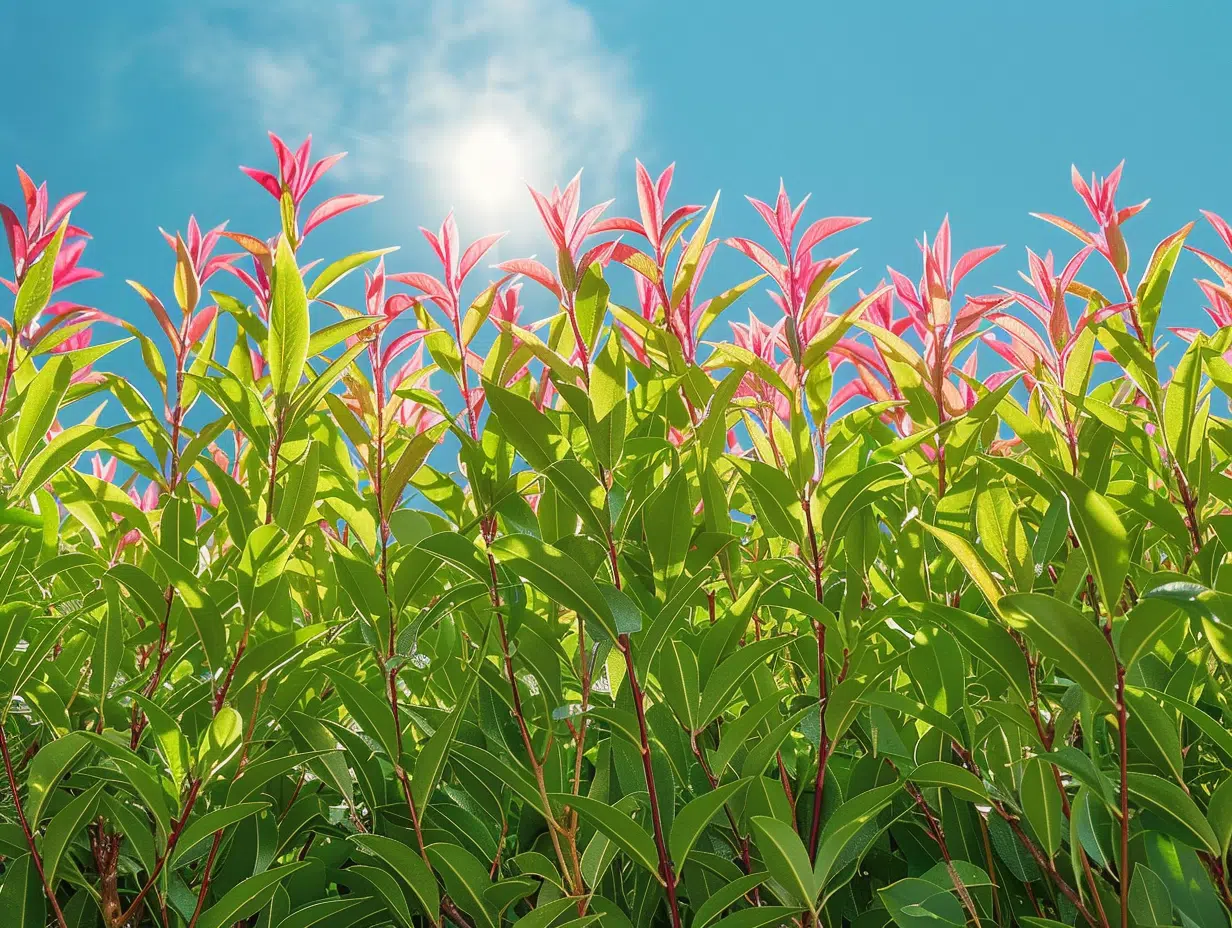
(574, 656)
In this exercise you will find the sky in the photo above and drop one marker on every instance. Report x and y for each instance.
(899, 111)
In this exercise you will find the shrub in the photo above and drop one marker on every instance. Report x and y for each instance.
(814, 626)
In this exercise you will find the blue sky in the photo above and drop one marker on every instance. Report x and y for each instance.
(898, 111)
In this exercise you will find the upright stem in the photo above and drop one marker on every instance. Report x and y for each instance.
(1123, 751)
(823, 741)
(665, 863)
(25, 828)
(938, 835)
(275, 448)
(8, 371)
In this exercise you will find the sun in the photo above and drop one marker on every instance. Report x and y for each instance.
(485, 169)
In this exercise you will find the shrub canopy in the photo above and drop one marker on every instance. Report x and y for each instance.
(815, 625)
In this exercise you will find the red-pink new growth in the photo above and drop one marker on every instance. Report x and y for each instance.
(297, 174)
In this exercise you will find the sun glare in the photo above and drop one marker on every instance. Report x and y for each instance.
(487, 167)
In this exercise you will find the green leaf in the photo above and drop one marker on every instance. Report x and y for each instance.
(39, 404)
(432, 756)
(557, 575)
(916, 903)
(1219, 814)
(1150, 295)
(370, 712)
(1100, 533)
(1155, 733)
(845, 824)
(202, 829)
(964, 552)
(288, 327)
(691, 820)
(1149, 900)
(626, 834)
(314, 913)
(299, 491)
(408, 865)
(47, 769)
(220, 742)
(64, 826)
(531, 433)
(465, 880)
(171, 744)
(959, 781)
(36, 289)
(986, 639)
(387, 890)
(668, 544)
(786, 859)
(1181, 401)
(408, 464)
(1041, 803)
(774, 499)
(1175, 806)
(725, 678)
(726, 896)
(862, 488)
(339, 269)
(1212, 608)
(108, 645)
(1144, 624)
(23, 904)
(247, 897)
(760, 916)
(1065, 635)
(54, 456)
(687, 269)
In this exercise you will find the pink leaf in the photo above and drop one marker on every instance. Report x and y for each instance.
(29, 193)
(678, 214)
(425, 282)
(582, 227)
(648, 204)
(200, 323)
(1068, 226)
(286, 160)
(762, 258)
(318, 170)
(334, 206)
(768, 215)
(619, 225)
(529, 267)
(824, 228)
(265, 179)
(160, 313)
(401, 344)
(1221, 227)
(551, 222)
(602, 254)
(970, 261)
(475, 251)
(63, 208)
(16, 234)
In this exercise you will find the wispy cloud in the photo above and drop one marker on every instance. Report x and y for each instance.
(444, 104)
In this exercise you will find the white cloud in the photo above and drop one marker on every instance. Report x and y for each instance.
(443, 104)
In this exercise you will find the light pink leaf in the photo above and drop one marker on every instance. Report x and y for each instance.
(1068, 226)
(761, 257)
(332, 207)
(824, 228)
(970, 261)
(475, 251)
(529, 267)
